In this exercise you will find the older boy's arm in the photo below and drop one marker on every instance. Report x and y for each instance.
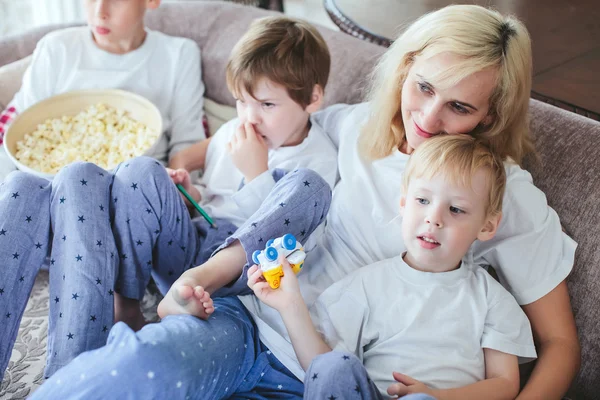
(501, 380)
(305, 339)
(191, 158)
(187, 107)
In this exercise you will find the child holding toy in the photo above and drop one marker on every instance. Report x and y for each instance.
(429, 312)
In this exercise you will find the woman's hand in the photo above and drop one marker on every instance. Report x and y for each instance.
(286, 295)
(249, 152)
(186, 297)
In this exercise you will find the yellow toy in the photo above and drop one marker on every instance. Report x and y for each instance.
(267, 258)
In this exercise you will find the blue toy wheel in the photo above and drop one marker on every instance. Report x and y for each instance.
(255, 257)
(289, 242)
(269, 242)
(271, 253)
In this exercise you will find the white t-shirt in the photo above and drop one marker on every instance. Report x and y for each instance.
(430, 326)
(530, 252)
(220, 184)
(164, 69)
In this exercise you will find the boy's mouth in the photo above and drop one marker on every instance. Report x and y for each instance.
(428, 242)
(102, 31)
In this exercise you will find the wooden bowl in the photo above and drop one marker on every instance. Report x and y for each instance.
(71, 104)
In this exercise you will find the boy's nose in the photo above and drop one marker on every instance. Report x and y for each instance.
(252, 117)
(102, 9)
(434, 218)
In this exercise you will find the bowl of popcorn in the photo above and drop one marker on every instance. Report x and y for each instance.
(104, 127)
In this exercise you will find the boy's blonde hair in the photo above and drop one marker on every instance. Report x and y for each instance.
(458, 158)
(287, 51)
(483, 38)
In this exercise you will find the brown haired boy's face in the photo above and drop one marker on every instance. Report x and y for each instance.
(118, 25)
(273, 114)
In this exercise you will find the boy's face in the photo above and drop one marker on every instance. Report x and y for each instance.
(116, 21)
(274, 115)
(441, 220)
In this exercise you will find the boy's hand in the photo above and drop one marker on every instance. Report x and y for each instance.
(286, 295)
(249, 152)
(180, 176)
(407, 385)
(184, 297)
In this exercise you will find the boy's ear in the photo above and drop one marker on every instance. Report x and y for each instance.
(316, 99)
(402, 205)
(489, 227)
(152, 4)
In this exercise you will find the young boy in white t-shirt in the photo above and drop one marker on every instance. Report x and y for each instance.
(446, 325)
(277, 72)
(116, 51)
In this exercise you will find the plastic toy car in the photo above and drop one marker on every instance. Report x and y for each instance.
(267, 258)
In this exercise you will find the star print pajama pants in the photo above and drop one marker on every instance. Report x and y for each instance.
(184, 357)
(340, 375)
(106, 231)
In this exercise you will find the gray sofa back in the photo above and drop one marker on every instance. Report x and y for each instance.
(568, 144)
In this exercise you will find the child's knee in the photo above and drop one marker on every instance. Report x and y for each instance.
(334, 363)
(139, 167)
(21, 180)
(78, 171)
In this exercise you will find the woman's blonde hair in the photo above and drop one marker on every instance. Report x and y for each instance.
(458, 158)
(483, 38)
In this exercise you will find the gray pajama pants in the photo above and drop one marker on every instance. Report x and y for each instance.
(105, 231)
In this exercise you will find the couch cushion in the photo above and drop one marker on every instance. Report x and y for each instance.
(10, 79)
(569, 175)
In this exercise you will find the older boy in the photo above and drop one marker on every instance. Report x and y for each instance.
(429, 312)
(116, 51)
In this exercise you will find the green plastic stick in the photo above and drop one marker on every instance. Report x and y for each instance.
(200, 210)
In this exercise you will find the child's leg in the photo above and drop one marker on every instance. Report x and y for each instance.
(24, 241)
(179, 357)
(298, 204)
(153, 232)
(341, 375)
(83, 263)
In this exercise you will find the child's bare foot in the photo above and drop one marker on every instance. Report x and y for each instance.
(184, 298)
(128, 311)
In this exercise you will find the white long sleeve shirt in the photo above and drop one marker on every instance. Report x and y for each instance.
(164, 69)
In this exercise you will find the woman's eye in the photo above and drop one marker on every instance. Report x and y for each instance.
(423, 201)
(459, 108)
(424, 87)
(268, 105)
(456, 210)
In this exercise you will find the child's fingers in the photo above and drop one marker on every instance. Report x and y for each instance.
(261, 286)
(252, 270)
(209, 310)
(254, 278)
(240, 133)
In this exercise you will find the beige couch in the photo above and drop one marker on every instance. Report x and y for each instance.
(569, 146)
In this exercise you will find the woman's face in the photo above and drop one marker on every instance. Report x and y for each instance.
(428, 111)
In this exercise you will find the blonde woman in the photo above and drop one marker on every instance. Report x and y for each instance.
(459, 70)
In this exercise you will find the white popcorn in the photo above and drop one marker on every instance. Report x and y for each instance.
(101, 135)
